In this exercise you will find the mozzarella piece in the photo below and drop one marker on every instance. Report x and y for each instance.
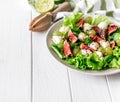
(94, 45)
(86, 52)
(64, 29)
(103, 25)
(104, 43)
(99, 53)
(56, 39)
(87, 26)
(82, 36)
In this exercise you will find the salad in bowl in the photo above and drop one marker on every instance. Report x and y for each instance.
(88, 42)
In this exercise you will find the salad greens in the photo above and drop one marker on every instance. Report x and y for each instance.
(88, 43)
(97, 19)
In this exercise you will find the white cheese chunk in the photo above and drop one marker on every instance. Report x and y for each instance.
(87, 26)
(64, 29)
(85, 52)
(56, 39)
(82, 36)
(104, 43)
(99, 53)
(103, 25)
(88, 51)
(94, 45)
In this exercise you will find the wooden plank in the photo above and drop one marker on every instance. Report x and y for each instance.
(50, 78)
(87, 88)
(114, 86)
(15, 52)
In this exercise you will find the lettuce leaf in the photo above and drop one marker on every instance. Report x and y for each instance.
(116, 52)
(87, 41)
(116, 36)
(57, 51)
(79, 61)
(100, 18)
(88, 20)
(115, 63)
(107, 60)
(94, 62)
(73, 19)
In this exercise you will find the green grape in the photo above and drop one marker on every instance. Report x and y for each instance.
(91, 32)
(101, 49)
(75, 51)
(88, 20)
(118, 42)
(57, 33)
(108, 50)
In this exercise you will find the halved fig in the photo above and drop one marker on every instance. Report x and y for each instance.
(72, 37)
(96, 29)
(67, 49)
(97, 39)
(112, 28)
(112, 44)
(92, 36)
(80, 23)
(83, 46)
(103, 34)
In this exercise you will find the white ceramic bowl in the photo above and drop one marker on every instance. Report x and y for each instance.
(55, 27)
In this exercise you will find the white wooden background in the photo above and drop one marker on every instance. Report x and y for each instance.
(29, 73)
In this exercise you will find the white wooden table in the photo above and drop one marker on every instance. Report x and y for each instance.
(29, 73)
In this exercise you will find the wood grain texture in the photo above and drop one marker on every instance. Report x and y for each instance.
(50, 79)
(15, 52)
(87, 88)
(114, 87)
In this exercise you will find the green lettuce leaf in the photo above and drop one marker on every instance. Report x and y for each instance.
(99, 18)
(116, 52)
(79, 61)
(94, 62)
(116, 36)
(57, 51)
(87, 41)
(88, 20)
(73, 19)
(115, 63)
(107, 60)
